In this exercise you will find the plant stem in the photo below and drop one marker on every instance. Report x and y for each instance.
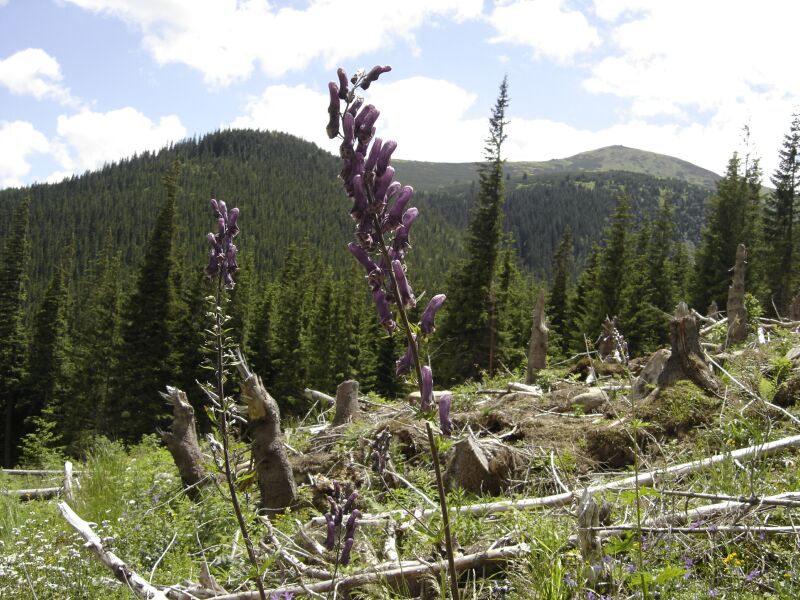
(223, 427)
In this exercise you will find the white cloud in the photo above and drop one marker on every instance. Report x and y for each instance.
(224, 39)
(546, 26)
(439, 132)
(33, 72)
(18, 139)
(92, 139)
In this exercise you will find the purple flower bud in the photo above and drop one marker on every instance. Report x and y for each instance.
(348, 546)
(373, 75)
(400, 243)
(348, 505)
(367, 129)
(361, 118)
(394, 219)
(406, 293)
(348, 129)
(382, 184)
(384, 313)
(403, 366)
(359, 199)
(352, 523)
(333, 111)
(445, 423)
(426, 402)
(215, 208)
(386, 153)
(353, 110)
(426, 322)
(372, 159)
(223, 210)
(361, 256)
(221, 227)
(330, 538)
(342, 83)
(233, 218)
(409, 217)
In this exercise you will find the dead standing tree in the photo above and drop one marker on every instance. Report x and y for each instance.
(537, 350)
(181, 441)
(737, 312)
(275, 477)
(686, 360)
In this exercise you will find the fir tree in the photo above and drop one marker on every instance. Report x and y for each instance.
(468, 330)
(146, 357)
(613, 260)
(12, 327)
(559, 290)
(779, 221)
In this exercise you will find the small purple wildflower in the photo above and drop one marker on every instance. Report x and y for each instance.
(335, 517)
(426, 322)
(445, 423)
(404, 364)
(426, 400)
(754, 574)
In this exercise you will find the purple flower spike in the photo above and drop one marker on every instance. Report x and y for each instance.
(361, 256)
(352, 523)
(386, 154)
(342, 83)
(373, 75)
(406, 293)
(395, 218)
(445, 424)
(348, 505)
(333, 111)
(426, 322)
(384, 313)
(382, 184)
(348, 546)
(426, 402)
(403, 366)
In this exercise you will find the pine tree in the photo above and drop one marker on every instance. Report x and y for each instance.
(13, 359)
(469, 320)
(318, 339)
(581, 318)
(146, 356)
(614, 260)
(261, 342)
(779, 220)
(559, 289)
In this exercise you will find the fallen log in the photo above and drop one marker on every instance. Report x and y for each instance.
(121, 571)
(35, 493)
(408, 571)
(645, 478)
(34, 472)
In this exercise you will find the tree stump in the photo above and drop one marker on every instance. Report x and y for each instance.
(686, 360)
(537, 350)
(181, 441)
(737, 313)
(648, 378)
(713, 310)
(346, 402)
(794, 309)
(275, 478)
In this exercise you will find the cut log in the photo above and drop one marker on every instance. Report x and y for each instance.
(275, 478)
(537, 349)
(686, 360)
(648, 378)
(121, 571)
(737, 312)
(346, 402)
(181, 441)
(34, 494)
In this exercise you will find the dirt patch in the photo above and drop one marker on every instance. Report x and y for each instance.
(679, 408)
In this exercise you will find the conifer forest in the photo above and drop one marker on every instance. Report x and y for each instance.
(244, 368)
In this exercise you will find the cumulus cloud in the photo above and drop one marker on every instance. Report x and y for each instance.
(224, 39)
(546, 26)
(33, 72)
(91, 139)
(18, 140)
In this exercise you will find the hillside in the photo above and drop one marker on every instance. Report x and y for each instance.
(431, 176)
(288, 192)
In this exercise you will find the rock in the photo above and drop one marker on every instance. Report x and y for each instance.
(590, 400)
(648, 378)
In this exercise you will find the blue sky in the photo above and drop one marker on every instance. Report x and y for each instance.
(87, 82)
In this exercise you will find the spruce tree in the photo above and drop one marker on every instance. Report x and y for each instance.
(468, 328)
(614, 260)
(146, 354)
(559, 288)
(261, 343)
(779, 221)
(13, 346)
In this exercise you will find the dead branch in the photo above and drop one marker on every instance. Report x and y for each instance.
(121, 571)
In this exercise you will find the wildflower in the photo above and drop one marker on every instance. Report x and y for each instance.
(426, 321)
(222, 252)
(445, 423)
(426, 402)
(754, 574)
(373, 75)
(404, 364)
(406, 293)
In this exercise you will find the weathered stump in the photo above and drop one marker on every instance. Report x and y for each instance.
(346, 402)
(591, 549)
(275, 478)
(605, 344)
(181, 441)
(737, 313)
(686, 360)
(537, 350)
(794, 309)
(648, 378)
(713, 310)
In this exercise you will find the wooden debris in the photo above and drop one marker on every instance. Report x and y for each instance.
(346, 402)
(686, 360)
(121, 571)
(275, 478)
(648, 378)
(67, 487)
(181, 441)
(737, 312)
(713, 310)
(316, 396)
(537, 349)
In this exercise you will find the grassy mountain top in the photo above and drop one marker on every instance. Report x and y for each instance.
(430, 176)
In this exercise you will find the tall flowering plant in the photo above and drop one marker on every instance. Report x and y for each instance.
(383, 224)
